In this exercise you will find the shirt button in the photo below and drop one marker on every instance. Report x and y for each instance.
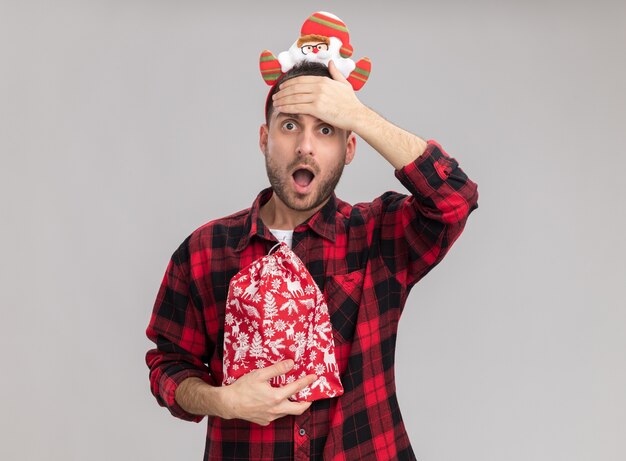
(302, 432)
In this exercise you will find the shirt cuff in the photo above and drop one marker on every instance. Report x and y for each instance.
(426, 174)
(167, 390)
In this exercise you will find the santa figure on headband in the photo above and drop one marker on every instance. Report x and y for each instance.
(323, 37)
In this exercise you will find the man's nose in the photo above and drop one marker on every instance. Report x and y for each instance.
(315, 50)
(306, 142)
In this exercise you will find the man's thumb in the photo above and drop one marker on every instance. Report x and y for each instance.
(334, 72)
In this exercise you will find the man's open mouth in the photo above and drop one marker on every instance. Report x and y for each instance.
(303, 177)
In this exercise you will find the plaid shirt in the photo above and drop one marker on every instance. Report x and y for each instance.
(365, 258)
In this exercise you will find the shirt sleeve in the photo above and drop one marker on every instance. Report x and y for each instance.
(418, 230)
(176, 327)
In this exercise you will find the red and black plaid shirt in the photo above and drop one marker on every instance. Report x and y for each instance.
(365, 259)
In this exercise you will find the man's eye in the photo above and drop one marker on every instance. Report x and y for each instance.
(326, 130)
(289, 126)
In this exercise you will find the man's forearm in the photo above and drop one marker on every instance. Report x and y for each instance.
(397, 146)
(199, 398)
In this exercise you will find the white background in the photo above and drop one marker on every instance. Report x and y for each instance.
(124, 125)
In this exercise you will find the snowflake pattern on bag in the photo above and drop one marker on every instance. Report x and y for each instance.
(275, 311)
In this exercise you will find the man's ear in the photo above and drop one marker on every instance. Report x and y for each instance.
(350, 148)
(263, 135)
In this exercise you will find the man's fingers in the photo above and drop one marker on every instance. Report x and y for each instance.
(300, 80)
(297, 386)
(303, 88)
(295, 99)
(279, 368)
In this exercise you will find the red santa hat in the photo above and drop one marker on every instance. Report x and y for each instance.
(328, 25)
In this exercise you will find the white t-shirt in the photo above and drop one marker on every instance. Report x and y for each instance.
(283, 236)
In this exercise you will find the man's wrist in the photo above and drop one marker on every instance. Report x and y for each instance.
(397, 146)
(197, 397)
(221, 401)
(363, 119)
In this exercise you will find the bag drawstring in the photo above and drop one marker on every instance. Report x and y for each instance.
(275, 246)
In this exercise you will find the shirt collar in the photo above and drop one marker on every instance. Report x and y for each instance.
(322, 222)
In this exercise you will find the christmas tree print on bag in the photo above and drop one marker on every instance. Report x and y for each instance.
(275, 311)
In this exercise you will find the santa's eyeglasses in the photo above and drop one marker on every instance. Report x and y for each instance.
(306, 49)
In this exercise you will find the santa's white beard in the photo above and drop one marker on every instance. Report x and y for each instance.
(321, 56)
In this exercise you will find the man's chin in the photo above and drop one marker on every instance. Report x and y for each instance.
(303, 202)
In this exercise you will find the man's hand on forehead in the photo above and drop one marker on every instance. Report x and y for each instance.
(332, 101)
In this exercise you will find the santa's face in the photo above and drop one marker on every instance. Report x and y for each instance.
(316, 51)
(304, 158)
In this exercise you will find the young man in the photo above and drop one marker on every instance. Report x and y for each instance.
(364, 258)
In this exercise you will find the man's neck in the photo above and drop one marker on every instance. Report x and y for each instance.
(276, 215)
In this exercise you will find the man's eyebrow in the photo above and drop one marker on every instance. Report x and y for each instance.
(286, 115)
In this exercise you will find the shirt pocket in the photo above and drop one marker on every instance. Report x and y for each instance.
(343, 296)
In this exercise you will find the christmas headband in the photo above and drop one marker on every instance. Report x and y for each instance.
(323, 37)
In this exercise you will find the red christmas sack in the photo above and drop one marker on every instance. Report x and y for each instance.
(275, 311)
